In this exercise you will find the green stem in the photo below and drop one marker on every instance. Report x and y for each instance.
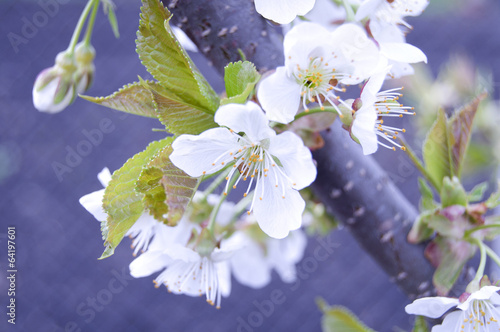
(416, 161)
(215, 211)
(327, 109)
(492, 255)
(482, 262)
(90, 24)
(470, 231)
(215, 184)
(349, 12)
(79, 26)
(241, 206)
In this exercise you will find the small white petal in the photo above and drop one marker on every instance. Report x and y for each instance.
(104, 176)
(148, 263)
(277, 216)
(93, 203)
(248, 265)
(483, 294)
(279, 96)
(450, 322)
(248, 118)
(432, 307)
(196, 154)
(366, 8)
(184, 40)
(295, 158)
(403, 52)
(283, 11)
(43, 99)
(304, 32)
(285, 253)
(363, 128)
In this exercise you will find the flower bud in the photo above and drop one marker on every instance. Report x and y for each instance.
(84, 55)
(54, 87)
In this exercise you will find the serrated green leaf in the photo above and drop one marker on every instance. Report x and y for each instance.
(240, 79)
(459, 133)
(452, 192)
(420, 325)
(168, 62)
(113, 21)
(453, 256)
(436, 150)
(177, 116)
(477, 193)
(167, 190)
(133, 98)
(121, 201)
(338, 318)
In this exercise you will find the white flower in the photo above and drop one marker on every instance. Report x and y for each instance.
(283, 11)
(391, 12)
(368, 123)
(184, 40)
(253, 264)
(316, 63)
(54, 87)
(479, 312)
(143, 229)
(280, 165)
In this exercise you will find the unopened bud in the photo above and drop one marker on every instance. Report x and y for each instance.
(54, 87)
(84, 76)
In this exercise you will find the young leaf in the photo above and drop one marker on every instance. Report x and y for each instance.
(427, 201)
(494, 200)
(338, 318)
(477, 193)
(436, 150)
(113, 22)
(167, 190)
(177, 116)
(452, 193)
(167, 61)
(420, 231)
(240, 79)
(459, 133)
(133, 98)
(121, 202)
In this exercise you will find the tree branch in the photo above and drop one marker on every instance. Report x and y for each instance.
(351, 185)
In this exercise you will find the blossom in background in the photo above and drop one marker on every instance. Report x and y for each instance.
(280, 165)
(55, 87)
(143, 229)
(283, 11)
(478, 311)
(317, 62)
(368, 123)
(391, 12)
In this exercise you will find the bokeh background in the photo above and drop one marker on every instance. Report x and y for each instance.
(61, 286)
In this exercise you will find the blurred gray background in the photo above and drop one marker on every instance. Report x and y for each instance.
(61, 286)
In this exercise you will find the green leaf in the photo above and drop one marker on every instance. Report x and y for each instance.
(494, 200)
(427, 200)
(177, 116)
(420, 231)
(168, 62)
(436, 151)
(338, 318)
(420, 325)
(121, 202)
(459, 133)
(113, 22)
(240, 79)
(453, 193)
(477, 193)
(167, 190)
(453, 255)
(133, 98)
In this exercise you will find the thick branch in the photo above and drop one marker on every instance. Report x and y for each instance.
(350, 184)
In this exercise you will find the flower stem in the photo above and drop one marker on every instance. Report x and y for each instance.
(90, 24)
(472, 230)
(492, 255)
(482, 262)
(348, 9)
(215, 184)
(241, 206)
(215, 211)
(79, 26)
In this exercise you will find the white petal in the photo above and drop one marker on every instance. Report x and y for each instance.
(483, 294)
(248, 118)
(196, 154)
(285, 253)
(277, 216)
(180, 252)
(279, 96)
(43, 99)
(373, 86)
(184, 40)
(295, 157)
(363, 128)
(249, 266)
(402, 52)
(384, 32)
(224, 275)
(104, 176)
(313, 33)
(400, 69)
(450, 322)
(93, 203)
(432, 307)
(283, 11)
(148, 263)
(367, 8)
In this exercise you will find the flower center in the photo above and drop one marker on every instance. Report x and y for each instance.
(481, 314)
